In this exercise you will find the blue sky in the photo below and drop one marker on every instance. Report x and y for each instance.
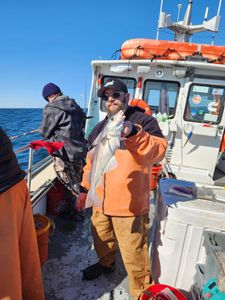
(55, 40)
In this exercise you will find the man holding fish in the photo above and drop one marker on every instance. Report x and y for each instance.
(122, 149)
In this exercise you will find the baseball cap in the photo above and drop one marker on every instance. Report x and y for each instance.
(115, 84)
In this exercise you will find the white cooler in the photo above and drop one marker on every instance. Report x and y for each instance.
(178, 232)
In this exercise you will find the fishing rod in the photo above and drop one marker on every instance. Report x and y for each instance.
(23, 134)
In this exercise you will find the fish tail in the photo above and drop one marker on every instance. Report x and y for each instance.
(92, 199)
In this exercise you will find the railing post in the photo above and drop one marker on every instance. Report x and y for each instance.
(29, 171)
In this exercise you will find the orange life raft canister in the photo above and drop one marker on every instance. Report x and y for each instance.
(170, 50)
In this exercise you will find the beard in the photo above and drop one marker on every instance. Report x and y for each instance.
(112, 112)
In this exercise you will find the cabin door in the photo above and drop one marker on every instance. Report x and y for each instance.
(203, 127)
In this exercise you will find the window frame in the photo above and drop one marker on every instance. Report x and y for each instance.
(190, 89)
(162, 81)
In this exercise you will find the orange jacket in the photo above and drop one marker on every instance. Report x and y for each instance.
(222, 145)
(125, 190)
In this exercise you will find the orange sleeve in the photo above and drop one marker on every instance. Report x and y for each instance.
(87, 170)
(222, 145)
(146, 148)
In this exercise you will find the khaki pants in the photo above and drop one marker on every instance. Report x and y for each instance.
(20, 271)
(131, 235)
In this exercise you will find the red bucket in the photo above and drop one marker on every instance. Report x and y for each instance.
(161, 291)
(154, 176)
(56, 203)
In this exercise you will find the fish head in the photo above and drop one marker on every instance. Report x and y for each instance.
(115, 123)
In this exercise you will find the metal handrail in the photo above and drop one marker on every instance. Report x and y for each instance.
(41, 162)
(33, 169)
(22, 149)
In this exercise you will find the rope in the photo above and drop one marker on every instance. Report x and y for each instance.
(152, 55)
(220, 59)
(138, 49)
(23, 134)
(171, 50)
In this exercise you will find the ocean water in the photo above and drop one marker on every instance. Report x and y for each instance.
(19, 121)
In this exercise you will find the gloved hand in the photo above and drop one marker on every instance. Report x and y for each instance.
(128, 129)
(80, 202)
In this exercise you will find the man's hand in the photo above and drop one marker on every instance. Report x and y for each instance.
(80, 202)
(127, 128)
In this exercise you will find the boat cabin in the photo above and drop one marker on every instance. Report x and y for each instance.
(187, 98)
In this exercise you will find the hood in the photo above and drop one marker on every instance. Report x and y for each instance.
(64, 103)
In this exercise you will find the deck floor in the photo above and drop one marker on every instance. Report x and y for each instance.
(71, 251)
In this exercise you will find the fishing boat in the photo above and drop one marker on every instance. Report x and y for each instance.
(184, 86)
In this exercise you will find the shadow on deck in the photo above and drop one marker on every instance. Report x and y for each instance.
(71, 251)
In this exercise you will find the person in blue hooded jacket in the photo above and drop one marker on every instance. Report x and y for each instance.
(63, 120)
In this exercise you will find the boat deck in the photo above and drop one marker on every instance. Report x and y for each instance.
(71, 251)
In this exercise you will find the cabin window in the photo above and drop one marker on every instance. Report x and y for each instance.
(205, 104)
(130, 83)
(161, 96)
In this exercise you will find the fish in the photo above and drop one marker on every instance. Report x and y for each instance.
(102, 155)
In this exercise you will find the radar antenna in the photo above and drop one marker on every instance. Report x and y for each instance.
(184, 29)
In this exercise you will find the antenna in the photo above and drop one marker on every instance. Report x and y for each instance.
(218, 15)
(158, 29)
(219, 7)
(187, 17)
(206, 14)
(179, 9)
(185, 29)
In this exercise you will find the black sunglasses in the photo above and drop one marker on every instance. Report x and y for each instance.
(115, 95)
